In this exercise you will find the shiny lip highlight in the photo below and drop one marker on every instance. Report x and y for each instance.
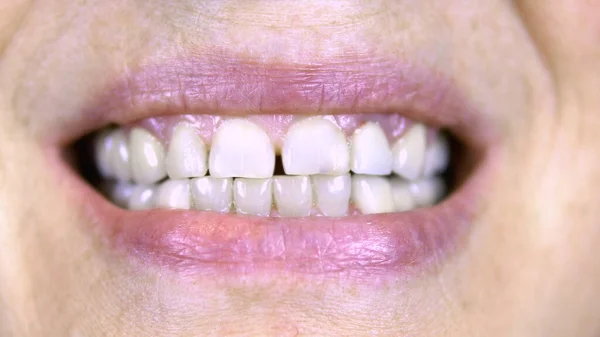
(193, 242)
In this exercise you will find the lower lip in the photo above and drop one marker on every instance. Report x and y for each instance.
(358, 247)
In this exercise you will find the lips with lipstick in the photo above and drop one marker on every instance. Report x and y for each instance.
(219, 166)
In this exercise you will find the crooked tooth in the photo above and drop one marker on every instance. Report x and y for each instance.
(212, 194)
(147, 157)
(142, 197)
(315, 146)
(241, 149)
(370, 151)
(332, 194)
(293, 195)
(408, 153)
(186, 157)
(372, 194)
(437, 157)
(402, 195)
(174, 194)
(253, 196)
(120, 156)
(103, 145)
(426, 192)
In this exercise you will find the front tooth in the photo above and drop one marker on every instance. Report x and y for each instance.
(409, 153)
(332, 194)
(241, 149)
(120, 156)
(370, 153)
(315, 146)
(252, 196)
(186, 157)
(103, 145)
(147, 157)
(427, 192)
(437, 157)
(403, 198)
(174, 194)
(142, 197)
(212, 194)
(293, 195)
(372, 194)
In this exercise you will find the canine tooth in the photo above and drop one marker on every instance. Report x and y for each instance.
(186, 157)
(147, 157)
(174, 194)
(370, 151)
(241, 149)
(437, 157)
(427, 192)
(212, 194)
(142, 197)
(315, 146)
(332, 193)
(409, 153)
(120, 156)
(103, 145)
(402, 195)
(293, 195)
(372, 194)
(253, 196)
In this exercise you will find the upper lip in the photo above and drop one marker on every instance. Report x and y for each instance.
(196, 241)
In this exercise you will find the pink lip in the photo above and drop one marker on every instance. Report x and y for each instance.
(194, 242)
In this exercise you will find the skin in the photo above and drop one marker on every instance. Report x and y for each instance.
(528, 269)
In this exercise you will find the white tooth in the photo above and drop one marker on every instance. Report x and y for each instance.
(293, 195)
(186, 157)
(119, 192)
(253, 196)
(174, 194)
(437, 157)
(241, 149)
(120, 156)
(371, 153)
(427, 192)
(372, 194)
(409, 153)
(403, 199)
(315, 146)
(147, 157)
(332, 194)
(103, 145)
(142, 197)
(212, 194)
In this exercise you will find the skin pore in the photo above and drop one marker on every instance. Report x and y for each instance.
(527, 268)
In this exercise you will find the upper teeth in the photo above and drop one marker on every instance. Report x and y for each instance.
(316, 150)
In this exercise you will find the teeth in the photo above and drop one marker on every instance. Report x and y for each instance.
(212, 194)
(241, 149)
(427, 192)
(332, 194)
(186, 157)
(315, 146)
(371, 153)
(372, 194)
(120, 156)
(437, 157)
(147, 157)
(142, 197)
(103, 145)
(119, 192)
(252, 196)
(402, 195)
(174, 194)
(409, 153)
(293, 195)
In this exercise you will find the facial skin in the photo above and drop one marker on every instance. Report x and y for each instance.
(528, 266)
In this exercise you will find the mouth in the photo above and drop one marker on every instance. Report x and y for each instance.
(212, 166)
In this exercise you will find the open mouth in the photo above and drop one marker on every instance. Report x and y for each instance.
(270, 177)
